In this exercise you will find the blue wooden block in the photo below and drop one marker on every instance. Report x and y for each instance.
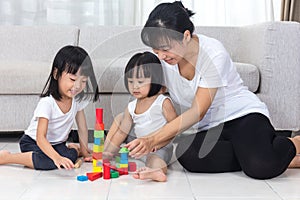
(82, 178)
(123, 161)
(97, 141)
(124, 156)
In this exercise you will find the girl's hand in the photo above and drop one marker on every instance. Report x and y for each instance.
(88, 158)
(63, 162)
(87, 155)
(139, 147)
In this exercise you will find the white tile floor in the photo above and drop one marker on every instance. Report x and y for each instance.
(22, 183)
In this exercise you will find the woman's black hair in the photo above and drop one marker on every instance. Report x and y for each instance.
(69, 59)
(151, 68)
(167, 22)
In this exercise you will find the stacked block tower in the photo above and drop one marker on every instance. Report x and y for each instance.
(98, 146)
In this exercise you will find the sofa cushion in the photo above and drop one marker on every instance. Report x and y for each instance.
(111, 80)
(23, 77)
(249, 74)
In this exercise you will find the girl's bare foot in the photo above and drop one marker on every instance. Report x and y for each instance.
(3, 155)
(148, 173)
(295, 162)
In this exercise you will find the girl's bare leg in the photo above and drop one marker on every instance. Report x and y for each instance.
(114, 139)
(156, 170)
(16, 158)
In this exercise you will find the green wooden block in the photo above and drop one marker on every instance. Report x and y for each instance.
(98, 134)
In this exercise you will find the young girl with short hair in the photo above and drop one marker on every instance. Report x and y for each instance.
(147, 113)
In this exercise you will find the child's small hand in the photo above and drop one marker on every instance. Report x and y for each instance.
(88, 158)
(63, 162)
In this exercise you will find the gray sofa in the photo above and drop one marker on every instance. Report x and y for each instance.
(267, 56)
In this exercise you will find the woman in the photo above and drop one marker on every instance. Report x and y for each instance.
(233, 127)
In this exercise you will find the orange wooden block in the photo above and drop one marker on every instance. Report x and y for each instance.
(97, 155)
(99, 127)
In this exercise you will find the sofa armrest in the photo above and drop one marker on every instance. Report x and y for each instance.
(274, 48)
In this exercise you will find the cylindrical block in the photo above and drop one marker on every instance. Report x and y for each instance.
(99, 115)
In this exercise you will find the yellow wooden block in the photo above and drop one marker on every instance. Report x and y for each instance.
(122, 165)
(97, 169)
(98, 148)
(94, 163)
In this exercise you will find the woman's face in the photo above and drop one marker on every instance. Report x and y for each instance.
(170, 53)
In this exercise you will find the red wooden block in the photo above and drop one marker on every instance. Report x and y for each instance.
(123, 171)
(94, 175)
(113, 167)
(99, 115)
(106, 171)
(132, 166)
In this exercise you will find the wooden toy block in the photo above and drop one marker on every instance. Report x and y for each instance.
(123, 171)
(78, 163)
(94, 175)
(122, 165)
(97, 169)
(97, 155)
(97, 141)
(98, 148)
(123, 161)
(114, 174)
(82, 178)
(113, 167)
(99, 127)
(99, 163)
(124, 150)
(106, 171)
(132, 166)
(94, 162)
(98, 133)
(99, 115)
(124, 156)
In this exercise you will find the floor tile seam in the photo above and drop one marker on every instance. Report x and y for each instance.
(189, 183)
(273, 189)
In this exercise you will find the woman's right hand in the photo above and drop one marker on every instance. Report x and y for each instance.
(63, 162)
(140, 147)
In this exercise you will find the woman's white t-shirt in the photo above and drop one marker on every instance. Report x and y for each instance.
(59, 124)
(214, 69)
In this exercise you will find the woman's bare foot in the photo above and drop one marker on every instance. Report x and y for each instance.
(3, 155)
(148, 173)
(295, 162)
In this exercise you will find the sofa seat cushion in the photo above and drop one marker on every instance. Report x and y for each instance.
(111, 79)
(23, 77)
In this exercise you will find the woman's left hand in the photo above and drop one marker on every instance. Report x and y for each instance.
(139, 147)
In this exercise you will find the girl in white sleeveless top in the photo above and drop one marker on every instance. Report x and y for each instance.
(150, 111)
